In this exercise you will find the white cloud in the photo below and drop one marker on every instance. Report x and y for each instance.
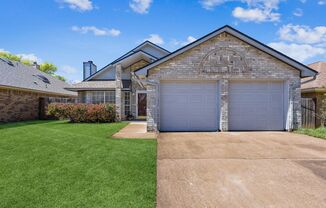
(303, 34)
(155, 38)
(303, 1)
(256, 11)
(80, 5)
(189, 39)
(30, 57)
(323, 2)
(298, 12)
(210, 4)
(255, 15)
(299, 52)
(25, 56)
(96, 31)
(140, 6)
(3, 50)
(68, 69)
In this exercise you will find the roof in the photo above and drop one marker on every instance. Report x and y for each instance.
(98, 85)
(305, 71)
(135, 50)
(320, 81)
(20, 76)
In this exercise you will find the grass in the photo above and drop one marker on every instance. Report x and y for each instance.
(319, 132)
(59, 164)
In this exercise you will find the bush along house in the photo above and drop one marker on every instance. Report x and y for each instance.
(223, 81)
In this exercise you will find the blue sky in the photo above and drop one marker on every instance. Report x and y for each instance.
(68, 32)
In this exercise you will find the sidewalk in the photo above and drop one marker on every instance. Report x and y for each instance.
(135, 130)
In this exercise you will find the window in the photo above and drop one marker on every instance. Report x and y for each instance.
(110, 97)
(127, 103)
(97, 97)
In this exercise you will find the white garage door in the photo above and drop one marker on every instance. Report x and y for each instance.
(189, 106)
(256, 106)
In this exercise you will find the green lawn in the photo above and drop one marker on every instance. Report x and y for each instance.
(320, 132)
(59, 164)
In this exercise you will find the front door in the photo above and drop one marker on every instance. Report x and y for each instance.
(142, 104)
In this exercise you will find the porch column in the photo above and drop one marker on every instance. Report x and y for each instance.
(224, 105)
(118, 72)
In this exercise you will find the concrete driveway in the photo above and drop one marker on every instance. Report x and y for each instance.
(245, 169)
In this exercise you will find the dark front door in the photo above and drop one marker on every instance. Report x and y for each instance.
(142, 104)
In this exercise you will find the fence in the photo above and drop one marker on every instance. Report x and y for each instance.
(308, 109)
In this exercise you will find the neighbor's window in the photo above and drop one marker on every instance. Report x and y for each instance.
(127, 103)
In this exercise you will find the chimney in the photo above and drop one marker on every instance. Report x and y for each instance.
(35, 65)
(89, 68)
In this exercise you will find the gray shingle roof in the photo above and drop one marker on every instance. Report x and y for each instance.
(98, 85)
(17, 75)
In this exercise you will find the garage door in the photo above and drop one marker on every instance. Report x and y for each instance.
(189, 106)
(256, 106)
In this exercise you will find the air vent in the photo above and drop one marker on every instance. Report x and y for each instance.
(43, 78)
(8, 62)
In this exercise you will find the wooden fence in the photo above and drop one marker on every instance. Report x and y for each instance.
(308, 108)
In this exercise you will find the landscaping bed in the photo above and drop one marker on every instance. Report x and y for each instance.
(61, 164)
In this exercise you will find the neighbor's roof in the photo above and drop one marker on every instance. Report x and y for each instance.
(305, 71)
(320, 81)
(98, 85)
(19, 76)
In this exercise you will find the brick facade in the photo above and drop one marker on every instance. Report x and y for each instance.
(18, 105)
(200, 63)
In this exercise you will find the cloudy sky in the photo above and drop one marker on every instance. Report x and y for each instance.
(68, 32)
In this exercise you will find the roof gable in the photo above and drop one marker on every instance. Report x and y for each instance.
(146, 48)
(305, 71)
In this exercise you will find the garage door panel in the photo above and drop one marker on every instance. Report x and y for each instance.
(256, 106)
(189, 106)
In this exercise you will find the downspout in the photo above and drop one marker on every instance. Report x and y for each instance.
(310, 80)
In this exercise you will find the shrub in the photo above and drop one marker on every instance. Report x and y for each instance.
(83, 112)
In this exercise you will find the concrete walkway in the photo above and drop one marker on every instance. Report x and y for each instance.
(135, 130)
(241, 169)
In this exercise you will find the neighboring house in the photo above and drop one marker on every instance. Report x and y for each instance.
(223, 81)
(24, 89)
(316, 89)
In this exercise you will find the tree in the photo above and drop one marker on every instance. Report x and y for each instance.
(59, 77)
(322, 110)
(10, 56)
(48, 68)
(45, 67)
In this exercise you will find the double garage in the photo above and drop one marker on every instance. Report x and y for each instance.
(196, 105)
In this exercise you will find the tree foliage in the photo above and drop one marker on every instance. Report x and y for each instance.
(45, 67)
(48, 68)
(322, 114)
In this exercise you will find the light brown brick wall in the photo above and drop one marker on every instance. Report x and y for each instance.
(18, 105)
(188, 66)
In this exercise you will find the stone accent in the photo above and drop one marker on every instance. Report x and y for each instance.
(118, 94)
(241, 62)
(137, 65)
(16, 105)
(224, 97)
